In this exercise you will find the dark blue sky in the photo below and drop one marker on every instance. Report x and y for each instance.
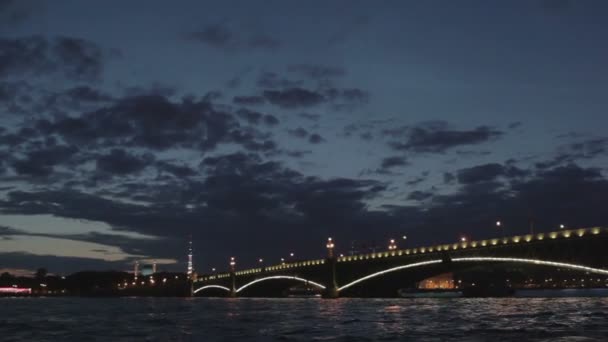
(261, 128)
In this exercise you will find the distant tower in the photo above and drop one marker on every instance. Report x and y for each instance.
(154, 267)
(190, 268)
(136, 270)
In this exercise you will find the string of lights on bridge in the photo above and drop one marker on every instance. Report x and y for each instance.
(394, 252)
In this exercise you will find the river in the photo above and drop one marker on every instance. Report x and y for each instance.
(291, 319)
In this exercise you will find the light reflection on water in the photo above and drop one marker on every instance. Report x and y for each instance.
(242, 319)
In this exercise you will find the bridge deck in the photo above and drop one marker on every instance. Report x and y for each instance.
(436, 249)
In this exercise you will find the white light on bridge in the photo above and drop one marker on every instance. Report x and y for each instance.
(498, 223)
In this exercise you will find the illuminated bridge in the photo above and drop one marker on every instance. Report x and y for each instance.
(565, 258)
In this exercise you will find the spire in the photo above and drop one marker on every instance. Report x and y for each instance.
(136, 270)
(190, 267)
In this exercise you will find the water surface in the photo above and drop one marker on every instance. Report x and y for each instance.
(291, 319)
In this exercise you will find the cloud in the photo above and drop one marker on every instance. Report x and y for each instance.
(419, 195)
(41, 162)
(586, 149)
(221, 36)
(317, 72)
(151, 121)
(315, 139)
(248, 100)
(271, 80)
(74, 58)
(488, 172)
(390, 162)
(437, 137)
(217, 36)
(298, 132)
(121, 162)
(294, 98)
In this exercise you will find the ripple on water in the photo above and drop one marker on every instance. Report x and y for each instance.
(180, 319)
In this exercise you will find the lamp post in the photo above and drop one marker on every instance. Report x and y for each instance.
(330, 248)
(392, 245)
(499, 226)
(232, 277)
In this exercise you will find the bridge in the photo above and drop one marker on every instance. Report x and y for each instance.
(564, 258)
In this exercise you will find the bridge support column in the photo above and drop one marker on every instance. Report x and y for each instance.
(232, 278)
(331, 291)
(232, 285)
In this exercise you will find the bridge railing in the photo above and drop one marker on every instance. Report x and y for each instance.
(517, 239)
(561, 234)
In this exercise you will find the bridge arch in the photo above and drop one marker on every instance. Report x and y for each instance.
(480, 259)
(280, 277)
(211, 287)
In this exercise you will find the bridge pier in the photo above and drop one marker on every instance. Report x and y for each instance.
(331, 291)
(232, 293)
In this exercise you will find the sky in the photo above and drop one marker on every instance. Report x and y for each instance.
(260, 128)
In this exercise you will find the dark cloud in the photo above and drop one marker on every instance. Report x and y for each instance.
(579, 150)
(75, 58)
(217, 36)
(253, 140)
(293, 98)
(248, 100)
(271, 80)
(437, 137)
(516, 124)
(298, 132)
(390, 162)
(250, 116)
(148, 121)
(488, 172)
(309, 116)
(121, 162)
(315, 139)
(270, 120)
(180, 171)
(419, 195)
(41, 163)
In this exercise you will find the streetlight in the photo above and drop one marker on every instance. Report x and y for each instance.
(561, 226)
(404, 237)
(392, 245)
(213, 269)
(499, 225)
(330, 248)
(463, 239)
(291, 255)
(260, 260)
(232, 264)
(282, 261)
